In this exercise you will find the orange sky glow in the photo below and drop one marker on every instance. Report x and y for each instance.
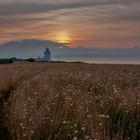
(91, 23)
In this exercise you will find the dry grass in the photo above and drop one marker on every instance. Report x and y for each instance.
(71, 101)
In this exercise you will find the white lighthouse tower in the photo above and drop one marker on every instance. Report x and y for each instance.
(47, 55)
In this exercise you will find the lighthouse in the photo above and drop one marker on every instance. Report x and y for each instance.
(47, 55)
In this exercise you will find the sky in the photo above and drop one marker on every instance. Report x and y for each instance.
(78, 23)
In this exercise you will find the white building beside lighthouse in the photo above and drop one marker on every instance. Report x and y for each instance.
(47, 55)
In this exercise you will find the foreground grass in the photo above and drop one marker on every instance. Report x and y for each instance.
(71, 101)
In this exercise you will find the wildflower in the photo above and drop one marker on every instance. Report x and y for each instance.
(26, 113)
(35, 93)
(29, 99)
(100, 105)
(89, 116)
(83, 128)
(48, 109)
(86, 137)
(23, 127)
(64, 122)
(76, 131)
(100, 124)
(75, 138)
(47, 118)
(51, 120)
(24, 135)
(103, 116)
(57, 96)
(75, 125)
(32, 132)
(53, 103)
(21, 124)
(71, 104)
(73, 93)
(30, 120)
(24, 117)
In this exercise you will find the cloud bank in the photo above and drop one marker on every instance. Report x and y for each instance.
(35, 48)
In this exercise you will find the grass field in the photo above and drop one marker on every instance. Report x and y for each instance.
(69, 101)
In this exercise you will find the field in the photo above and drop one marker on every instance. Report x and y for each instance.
(69, 101)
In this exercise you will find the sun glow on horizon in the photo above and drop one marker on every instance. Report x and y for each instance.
(63, 38)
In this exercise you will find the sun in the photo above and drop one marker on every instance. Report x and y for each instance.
(63, 38)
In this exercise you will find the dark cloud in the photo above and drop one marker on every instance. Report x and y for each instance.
(30, 7)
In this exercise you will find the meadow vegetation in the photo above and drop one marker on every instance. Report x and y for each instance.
(56, 101)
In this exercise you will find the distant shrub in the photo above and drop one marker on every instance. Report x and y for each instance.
(7, 61)
(30, 60)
